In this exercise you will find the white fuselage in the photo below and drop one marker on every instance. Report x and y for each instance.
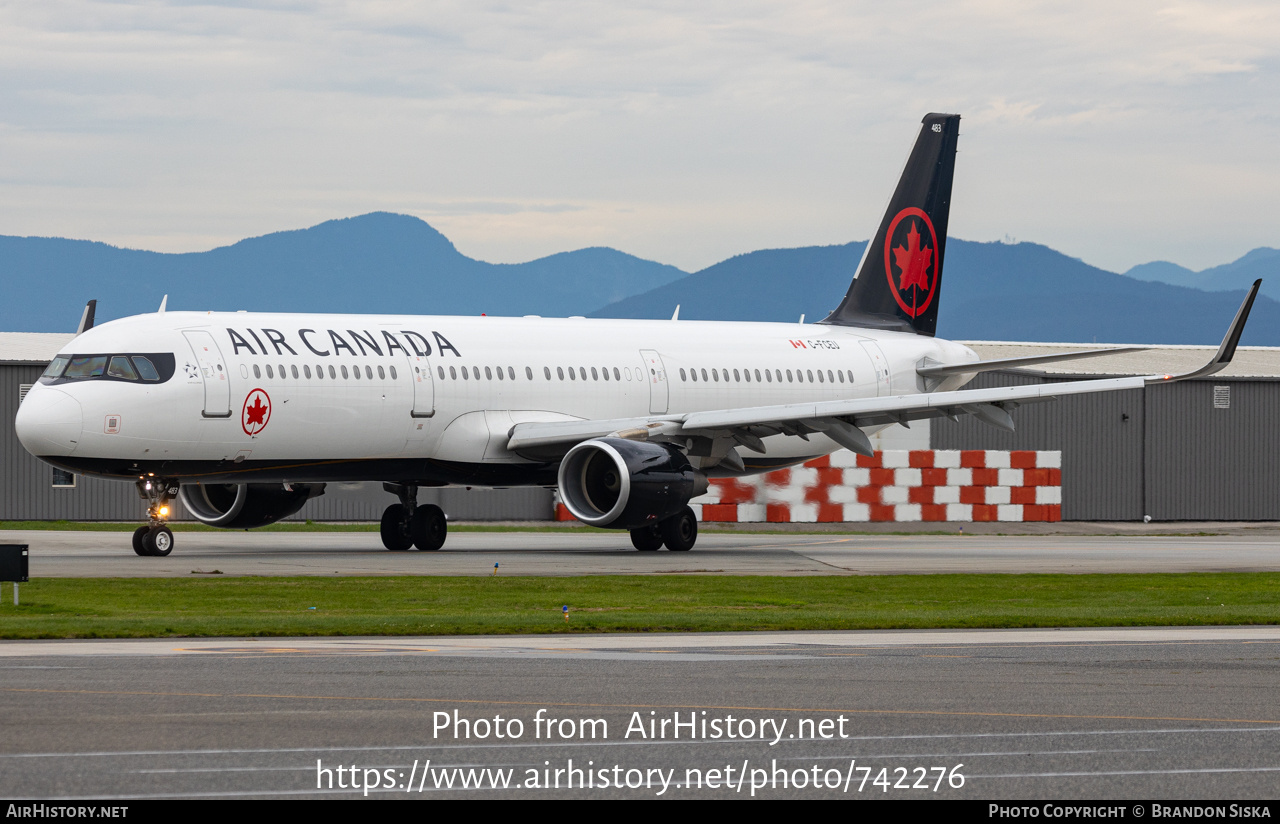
(280, 390)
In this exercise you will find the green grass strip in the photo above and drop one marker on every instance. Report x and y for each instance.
(212, 606)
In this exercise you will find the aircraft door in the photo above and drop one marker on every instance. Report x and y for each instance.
(656, 374)
(424, 386)
(880, 364)
(213, 369)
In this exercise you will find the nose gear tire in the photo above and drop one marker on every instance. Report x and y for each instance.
(158, 541)
(138, 535)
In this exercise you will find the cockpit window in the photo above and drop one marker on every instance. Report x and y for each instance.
(145, 368)
(85, 366)
(119, 367)
(55, 368)
(154, 367)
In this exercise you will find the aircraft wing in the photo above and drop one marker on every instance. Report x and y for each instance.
(842, 420)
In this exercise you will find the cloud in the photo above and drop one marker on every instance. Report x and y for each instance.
(682, 133)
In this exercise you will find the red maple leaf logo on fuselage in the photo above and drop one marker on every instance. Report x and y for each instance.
(255, 414)
(914, 262)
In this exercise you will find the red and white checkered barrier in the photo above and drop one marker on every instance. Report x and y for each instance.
(893, 486)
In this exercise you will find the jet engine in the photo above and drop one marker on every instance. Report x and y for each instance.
(622, 484)
(245, 506)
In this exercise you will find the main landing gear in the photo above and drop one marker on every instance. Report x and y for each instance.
(155, 538)
(407, 524)
(679, 533)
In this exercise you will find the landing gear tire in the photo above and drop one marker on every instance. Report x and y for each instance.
(395, 528)
(646, 538)
(680, 532)
(139, 538)
(429, 527)
(158, 541)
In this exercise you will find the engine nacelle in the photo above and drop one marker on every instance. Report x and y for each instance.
(622, 484)
(245, 506)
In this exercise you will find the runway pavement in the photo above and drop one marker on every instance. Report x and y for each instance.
(597, 552)
(1185, 713)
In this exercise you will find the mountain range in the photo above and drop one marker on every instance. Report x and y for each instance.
(388, 263)
(1262, 263)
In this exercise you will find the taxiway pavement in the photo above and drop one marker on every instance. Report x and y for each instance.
(108, 554)
(1184, 713)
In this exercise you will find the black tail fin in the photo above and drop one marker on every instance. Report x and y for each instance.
(900, 277)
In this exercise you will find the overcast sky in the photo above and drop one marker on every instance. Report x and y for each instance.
(680, 132)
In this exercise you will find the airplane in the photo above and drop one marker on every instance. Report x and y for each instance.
(246, 416)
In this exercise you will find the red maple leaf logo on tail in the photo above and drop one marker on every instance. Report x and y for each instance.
(914, 262)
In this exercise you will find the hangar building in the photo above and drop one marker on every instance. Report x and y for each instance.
(1203, 450)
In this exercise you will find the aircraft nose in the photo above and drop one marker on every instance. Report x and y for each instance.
(49, 422)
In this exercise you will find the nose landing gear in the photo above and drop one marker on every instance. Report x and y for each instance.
(155, 538)
(407, 524)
